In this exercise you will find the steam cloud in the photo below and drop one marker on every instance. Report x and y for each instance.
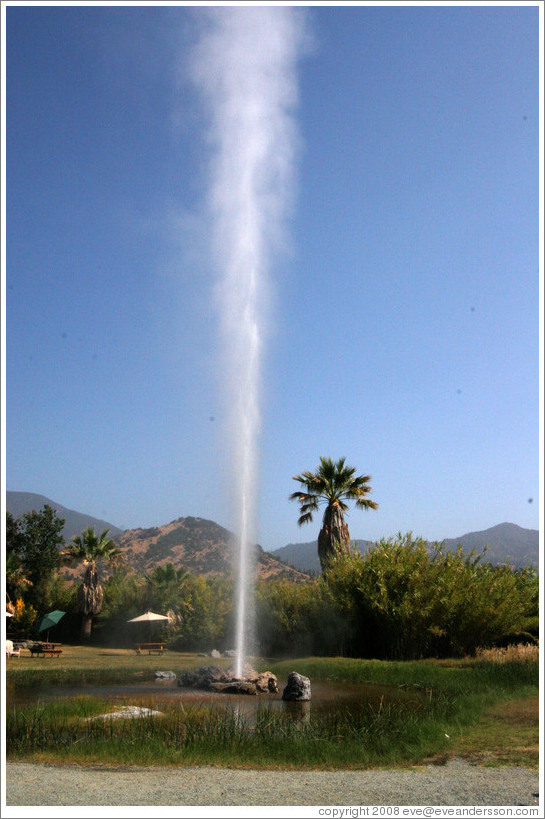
(245, 68)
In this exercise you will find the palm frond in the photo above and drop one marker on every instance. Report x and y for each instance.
(366, 503)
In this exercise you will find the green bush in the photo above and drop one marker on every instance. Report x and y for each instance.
(205, 621)
(295, 619)
(404, 602)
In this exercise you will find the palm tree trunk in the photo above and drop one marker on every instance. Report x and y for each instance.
(90, 598)
(334, 537)
(86, 624)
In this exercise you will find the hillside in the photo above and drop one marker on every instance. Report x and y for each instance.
(507, 543)
(200, 546)
(305, 555)
(19, 503)
(204, 547)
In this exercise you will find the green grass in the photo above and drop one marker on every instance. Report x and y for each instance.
(459, 707)
(448, 676)
(341, 738)
(81, 664)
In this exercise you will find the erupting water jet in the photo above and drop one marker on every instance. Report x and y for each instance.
(245, 67)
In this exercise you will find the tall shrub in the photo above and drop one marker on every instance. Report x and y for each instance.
(206, 615)
(404, 600)
(298, 619)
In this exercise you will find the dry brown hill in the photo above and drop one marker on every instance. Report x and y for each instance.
(200, 546)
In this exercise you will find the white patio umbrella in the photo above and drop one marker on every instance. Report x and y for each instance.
(148, 617)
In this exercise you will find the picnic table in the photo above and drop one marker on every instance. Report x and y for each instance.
(157, 648)
(45, 649)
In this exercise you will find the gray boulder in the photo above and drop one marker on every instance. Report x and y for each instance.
(297, 689)
(215, 653)
(165, 675)
(213, 678)
(201, 677)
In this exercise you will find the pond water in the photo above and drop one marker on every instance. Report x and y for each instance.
(326, 697)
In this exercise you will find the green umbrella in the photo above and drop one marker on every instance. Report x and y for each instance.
(48, 621)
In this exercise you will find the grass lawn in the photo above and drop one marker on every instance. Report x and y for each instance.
(507, 733)
(96, 664)
(484, 709)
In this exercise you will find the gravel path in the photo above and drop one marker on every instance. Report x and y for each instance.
(456, 783)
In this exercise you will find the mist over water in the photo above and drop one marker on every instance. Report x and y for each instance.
(245, 69)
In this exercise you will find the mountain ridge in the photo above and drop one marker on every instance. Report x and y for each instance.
(204, 547)
(19, 503)
(200, 546)
(506, 543)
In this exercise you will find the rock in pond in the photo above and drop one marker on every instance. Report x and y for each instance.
(235, 687)
(213, 678)
(266, 682)
(202, 677)
(297, 689)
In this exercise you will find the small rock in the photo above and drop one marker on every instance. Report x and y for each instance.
(229, 653)
(165, 675)
(128, 711)
(247, 672)
(235, 687)
(266, 682)
(215, 653)
(297, 689)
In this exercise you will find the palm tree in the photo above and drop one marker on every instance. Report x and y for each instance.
(332, 484)
(166, 584)
(91, 549)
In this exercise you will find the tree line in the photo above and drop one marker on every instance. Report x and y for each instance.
(401, 600)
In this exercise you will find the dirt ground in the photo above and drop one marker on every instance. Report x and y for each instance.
(458, 782)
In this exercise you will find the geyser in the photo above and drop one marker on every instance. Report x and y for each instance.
(245, 68)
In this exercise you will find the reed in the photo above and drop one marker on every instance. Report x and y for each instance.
(347, 736)
(522, 653)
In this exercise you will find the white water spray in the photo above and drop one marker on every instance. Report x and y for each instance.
(245, 67)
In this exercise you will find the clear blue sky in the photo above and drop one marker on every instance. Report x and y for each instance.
(405, 325)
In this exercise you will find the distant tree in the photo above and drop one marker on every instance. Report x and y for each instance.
(24, 616)
(91, 550)
(16, 582)
(35, 540)
(298, 619)
(206, 615)
(14, 568)
(331, 485)
(123, 594)
(14, 536)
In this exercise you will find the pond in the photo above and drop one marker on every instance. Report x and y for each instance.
(326, 697)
